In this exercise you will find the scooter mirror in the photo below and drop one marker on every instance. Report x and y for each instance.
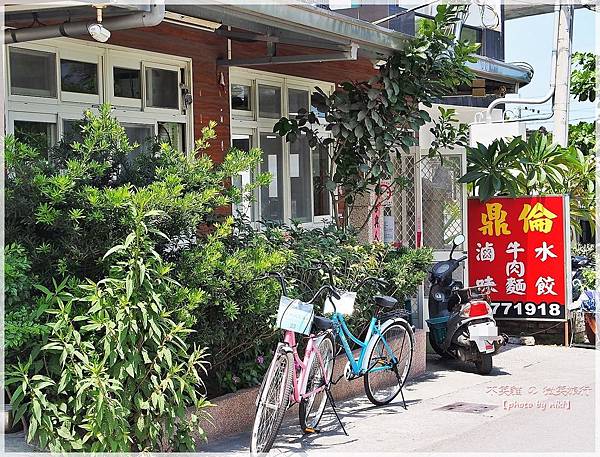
(458, 240)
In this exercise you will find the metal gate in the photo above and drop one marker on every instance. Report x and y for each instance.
(430, 211)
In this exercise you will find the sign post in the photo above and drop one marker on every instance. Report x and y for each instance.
(520, 248)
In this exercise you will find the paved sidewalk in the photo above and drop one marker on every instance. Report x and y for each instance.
(553, 413)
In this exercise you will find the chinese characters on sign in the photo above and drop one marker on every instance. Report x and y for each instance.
(517, 249)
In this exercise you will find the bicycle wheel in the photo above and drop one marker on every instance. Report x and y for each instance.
(273, 403)
(382, 386)
(311, 408)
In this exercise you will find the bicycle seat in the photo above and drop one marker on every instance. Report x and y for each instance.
(322, 323)
(385, 301)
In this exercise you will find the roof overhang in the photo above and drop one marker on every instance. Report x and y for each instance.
(299, 23)
(306, 23)
(498, 70)
(312, 26)
(515, 9)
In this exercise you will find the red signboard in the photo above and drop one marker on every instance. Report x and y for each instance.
(519, 248)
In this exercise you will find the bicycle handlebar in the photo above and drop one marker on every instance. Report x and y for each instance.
(274, 274)
(382, 282)
(322, 263)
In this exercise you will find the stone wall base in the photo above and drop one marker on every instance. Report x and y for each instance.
(234, 413)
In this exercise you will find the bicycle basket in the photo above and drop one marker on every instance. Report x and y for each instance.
(295, 315)
(345, 304)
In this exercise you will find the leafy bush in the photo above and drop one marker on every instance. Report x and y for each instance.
(235, 316)
(352, 262)
(21, 311)
(69, 205)
(116, 374)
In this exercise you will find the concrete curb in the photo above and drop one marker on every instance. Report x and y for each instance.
(234, 413)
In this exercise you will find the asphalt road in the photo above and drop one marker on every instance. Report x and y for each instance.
(537, 399)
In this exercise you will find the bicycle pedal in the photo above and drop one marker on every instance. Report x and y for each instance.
(309, 430)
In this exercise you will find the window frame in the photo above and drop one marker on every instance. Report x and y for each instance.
(24, 116)
(242, 121)
(122, 60)
(72, 108)
(32, 98)
(252, 113)
(89, 56)
(149, 64)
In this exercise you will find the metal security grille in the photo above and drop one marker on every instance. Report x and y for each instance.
(442, 201)
(404, 203)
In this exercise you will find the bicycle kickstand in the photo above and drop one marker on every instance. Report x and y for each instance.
(401, 389)
(403, 400)
(332, 403)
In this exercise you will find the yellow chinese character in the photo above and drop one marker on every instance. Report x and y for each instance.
(536, 219)
(494, 220)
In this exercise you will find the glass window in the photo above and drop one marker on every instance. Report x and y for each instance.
(297, 100)
(271, 196)
(317, 104)
(38, 135)
(79, 77)
(472, 35)
(162, 88)
(300, 179)
(240, 97)
(320, 166)
(72, 130)
(245, 208)
(127, 82)
(172, 133)
(32, 73)
(269, 101)
(141, 134)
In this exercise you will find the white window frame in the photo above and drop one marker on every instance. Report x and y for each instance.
(244, 121)
(89, 56)
(246, 176)
(242, 113)
(30, 98)
(159, 66)
(123, 60)
(33, 117)
(70, 106)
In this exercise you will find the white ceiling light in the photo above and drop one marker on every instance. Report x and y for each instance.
(98, 31)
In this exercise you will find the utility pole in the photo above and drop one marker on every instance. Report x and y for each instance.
(563, 75)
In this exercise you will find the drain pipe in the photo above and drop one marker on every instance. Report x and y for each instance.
(74, 29)
(551, 90)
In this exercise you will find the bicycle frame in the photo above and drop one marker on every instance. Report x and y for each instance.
(344, 333)
(299, 382)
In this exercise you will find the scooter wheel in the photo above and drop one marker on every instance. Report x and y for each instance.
(436, 347)
(484, 364)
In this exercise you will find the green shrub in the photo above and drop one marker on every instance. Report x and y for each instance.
(68, 206)
(352, 262)
(235, 317)
(22, 323)
(116, 374)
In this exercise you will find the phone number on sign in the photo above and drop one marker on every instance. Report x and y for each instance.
(528, 309)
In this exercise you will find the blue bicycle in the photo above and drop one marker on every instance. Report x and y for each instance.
(385, 353)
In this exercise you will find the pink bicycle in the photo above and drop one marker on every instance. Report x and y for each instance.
(291, 379)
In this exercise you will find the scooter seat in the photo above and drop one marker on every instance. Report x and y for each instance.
(322, 323)
(385, 301)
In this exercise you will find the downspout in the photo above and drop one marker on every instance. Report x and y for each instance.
(551, 90)
(74, 29)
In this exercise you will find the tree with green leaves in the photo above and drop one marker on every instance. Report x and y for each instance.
(368, 122)
(533, 167)
(583, 76)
